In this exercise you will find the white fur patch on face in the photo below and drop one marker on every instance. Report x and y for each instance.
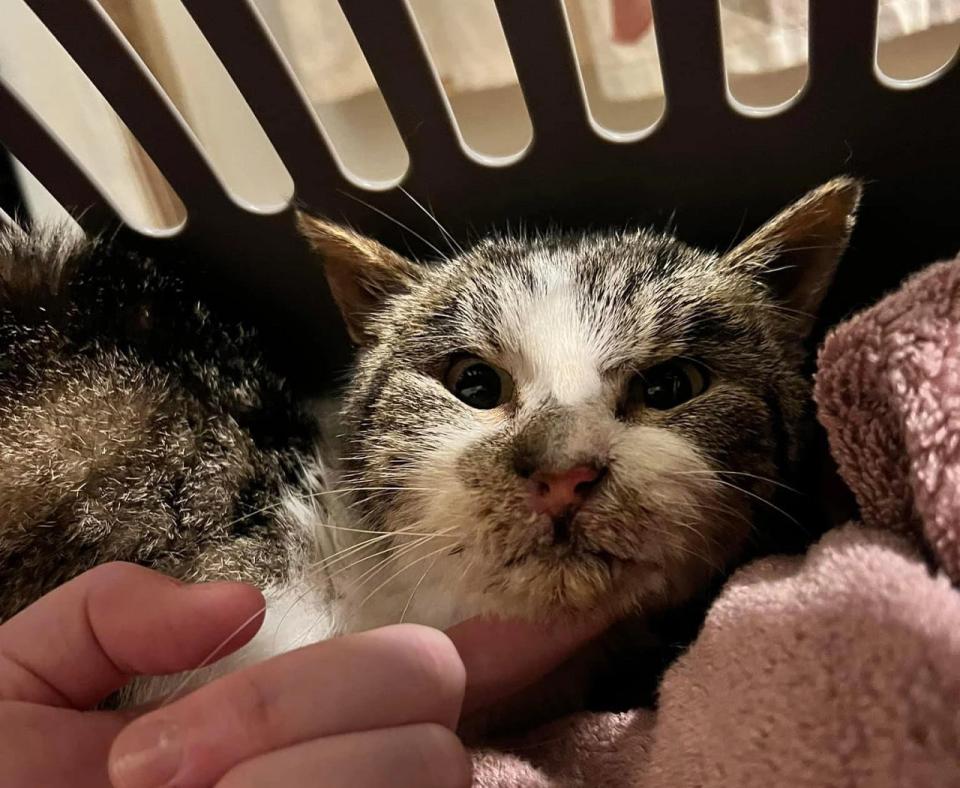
(557, 354)
(558, 346)
(661, 464)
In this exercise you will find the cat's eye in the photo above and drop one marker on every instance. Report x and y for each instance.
(479, 384)
(669, 384)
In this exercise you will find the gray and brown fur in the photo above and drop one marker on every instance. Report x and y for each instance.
(136, 424)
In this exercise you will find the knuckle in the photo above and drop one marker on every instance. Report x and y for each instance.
(442, 758)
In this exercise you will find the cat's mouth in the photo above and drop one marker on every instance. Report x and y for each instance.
(572, 553)
(578, 536)
(573, 580)
(604, 555)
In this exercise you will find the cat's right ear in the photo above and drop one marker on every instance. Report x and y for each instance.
(362, 273)
(796, 253)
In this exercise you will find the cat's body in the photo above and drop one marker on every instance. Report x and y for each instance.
(548, 427)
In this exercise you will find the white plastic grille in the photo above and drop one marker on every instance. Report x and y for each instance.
(713, 167)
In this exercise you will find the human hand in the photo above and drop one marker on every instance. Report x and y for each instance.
(365, 710)
(68, 651)
(374, 709)
(371, 709)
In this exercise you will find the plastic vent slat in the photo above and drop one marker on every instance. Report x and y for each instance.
(691, 61)
(391, 43)
(94, 42)
(250, 55)
(39, 150)
(542, 52)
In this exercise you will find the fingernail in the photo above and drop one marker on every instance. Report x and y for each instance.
(146, 755)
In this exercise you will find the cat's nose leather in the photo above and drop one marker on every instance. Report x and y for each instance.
(559, 492)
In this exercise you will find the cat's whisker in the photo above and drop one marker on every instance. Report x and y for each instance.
(774, 308)
(255, 513)
(720, 508)
(328, 561)
(759, 498)
(406, 607)
(734, 237)
(307, 579)
(373, 571)
(210, 658)
(309, 582)
(451, 241)
(708, 473)
(329, 578)
(315, 570)
(396, 221)
(668, 542)
(706, 538)
(319, 494)
(349, 490)
(390, 552)
(333, 527)
(400, 571)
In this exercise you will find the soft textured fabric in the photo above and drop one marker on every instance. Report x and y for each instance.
(840, 667)
(888, 392)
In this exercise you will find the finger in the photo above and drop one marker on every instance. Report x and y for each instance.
(383, 678)
(503, 657)
(631, 18)
(55, 748)
(87, 638)
(414, 756)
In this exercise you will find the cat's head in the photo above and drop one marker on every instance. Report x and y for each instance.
(580, 421)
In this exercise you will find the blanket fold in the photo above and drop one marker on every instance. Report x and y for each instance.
(840, 667)
(888, 393)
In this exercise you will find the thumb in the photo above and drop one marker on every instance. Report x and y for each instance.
(503, 657)
(87, 638)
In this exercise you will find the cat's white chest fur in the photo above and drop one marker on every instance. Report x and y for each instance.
(324, 601)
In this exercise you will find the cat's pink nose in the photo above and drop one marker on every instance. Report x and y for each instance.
(558, 492)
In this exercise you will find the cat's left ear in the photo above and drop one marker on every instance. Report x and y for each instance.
(796, 253)
(362, 273)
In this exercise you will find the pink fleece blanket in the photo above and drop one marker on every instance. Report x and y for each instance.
(841, 667)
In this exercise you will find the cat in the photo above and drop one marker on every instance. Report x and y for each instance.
(542, 426)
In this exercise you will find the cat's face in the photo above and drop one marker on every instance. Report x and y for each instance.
(582, 422)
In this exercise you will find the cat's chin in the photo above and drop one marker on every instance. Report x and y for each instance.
(557, 585)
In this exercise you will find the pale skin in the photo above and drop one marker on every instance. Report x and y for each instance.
(373, 709)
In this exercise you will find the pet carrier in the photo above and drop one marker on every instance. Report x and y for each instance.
(709, 166)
